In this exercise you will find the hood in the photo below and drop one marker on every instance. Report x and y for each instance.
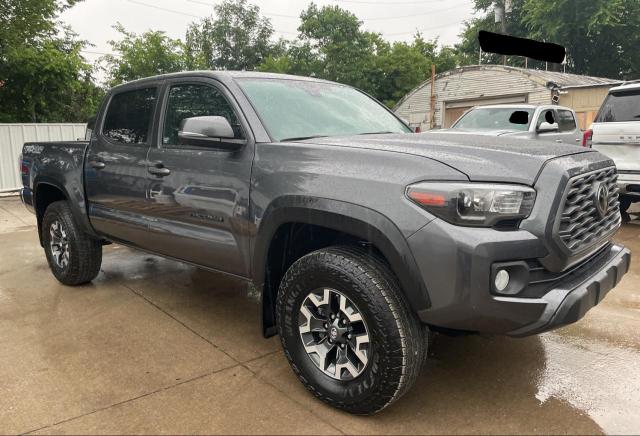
(480, 158)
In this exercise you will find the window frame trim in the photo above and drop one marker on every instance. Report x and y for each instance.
(149, 85)
(201, 81)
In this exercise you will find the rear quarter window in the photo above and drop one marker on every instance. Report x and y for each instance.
(619, 107)
(129, 116)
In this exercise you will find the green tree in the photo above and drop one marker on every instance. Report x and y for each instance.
(145, 55)
(236, 38)
(43, 76)
(601, 36)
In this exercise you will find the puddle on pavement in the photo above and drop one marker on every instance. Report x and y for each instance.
(595, 377)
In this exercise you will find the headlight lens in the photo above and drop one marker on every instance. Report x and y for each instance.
(474, 204)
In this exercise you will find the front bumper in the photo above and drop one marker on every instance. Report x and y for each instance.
(455, 264)
(629, 184)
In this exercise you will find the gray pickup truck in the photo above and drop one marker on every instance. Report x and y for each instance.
(361, 236)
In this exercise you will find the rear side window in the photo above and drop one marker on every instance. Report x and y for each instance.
(129, 116)
(620, 107)
(566, 121)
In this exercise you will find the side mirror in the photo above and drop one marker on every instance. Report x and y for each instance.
(546, 127)
(210, 131)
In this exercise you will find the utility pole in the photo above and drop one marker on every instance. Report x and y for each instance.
(501, 9)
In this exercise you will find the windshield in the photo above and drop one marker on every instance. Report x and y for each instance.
(495, 119)
(297, 109)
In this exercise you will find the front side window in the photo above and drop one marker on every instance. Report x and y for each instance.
(623, 106)
(546, 116)
(492, 118)
(566, 121)
(188, 101)
(297, 109)
(129, 116)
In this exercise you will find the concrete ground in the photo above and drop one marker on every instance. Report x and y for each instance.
(154, 346)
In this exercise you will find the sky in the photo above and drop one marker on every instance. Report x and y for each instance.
(397, 20)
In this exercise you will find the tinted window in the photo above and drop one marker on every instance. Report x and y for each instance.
(296, 109)
(187, 101)
(129, 116)
(566, 121)
(620, 107)
(492, 118)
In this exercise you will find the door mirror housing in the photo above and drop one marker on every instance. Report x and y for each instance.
(547, 127)
(209, 131)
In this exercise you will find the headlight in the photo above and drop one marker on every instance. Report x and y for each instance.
(474, 204)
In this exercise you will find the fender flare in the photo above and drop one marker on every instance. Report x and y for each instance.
(77, 209)
(353, 219)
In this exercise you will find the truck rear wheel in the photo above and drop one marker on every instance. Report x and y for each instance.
(73, 256)
(346, 330)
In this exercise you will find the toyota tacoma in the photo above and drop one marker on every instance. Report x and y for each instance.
(361, 236)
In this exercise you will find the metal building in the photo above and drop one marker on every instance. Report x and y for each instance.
(13, 136)
(458, 90)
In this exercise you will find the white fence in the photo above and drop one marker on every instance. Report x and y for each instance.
(13, 136)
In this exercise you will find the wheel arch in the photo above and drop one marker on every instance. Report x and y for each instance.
(47, 191)
(350, 223)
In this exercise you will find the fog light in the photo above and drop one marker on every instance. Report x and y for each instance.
(502, 280)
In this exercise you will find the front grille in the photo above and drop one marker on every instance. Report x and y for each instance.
(581, 225)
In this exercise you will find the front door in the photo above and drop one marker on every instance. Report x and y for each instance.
(199, 196)
(549, 116)
(116, 175)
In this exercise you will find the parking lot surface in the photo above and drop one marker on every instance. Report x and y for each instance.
(154, 346)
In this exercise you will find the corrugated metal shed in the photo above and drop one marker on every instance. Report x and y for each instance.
(13, 136)
(458, 90)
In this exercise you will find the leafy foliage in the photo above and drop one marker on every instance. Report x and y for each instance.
(237, 38)
(601, 36)
(332, 45)
(144, 55)
(43, 77)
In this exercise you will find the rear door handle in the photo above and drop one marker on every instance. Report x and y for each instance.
(97, 164)
(159, 171)
(558, 140)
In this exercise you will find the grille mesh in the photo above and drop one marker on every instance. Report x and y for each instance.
(580, 222)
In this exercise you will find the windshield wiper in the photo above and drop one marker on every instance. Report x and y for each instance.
(302, 138)
(374, 133)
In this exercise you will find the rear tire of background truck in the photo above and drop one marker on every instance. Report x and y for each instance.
(74, 257)
(625, 203)
(347, 331)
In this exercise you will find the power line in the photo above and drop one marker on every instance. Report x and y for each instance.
(272, 14)
(164, 9)
(295, 33)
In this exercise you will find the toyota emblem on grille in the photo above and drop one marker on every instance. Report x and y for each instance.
(601, 199)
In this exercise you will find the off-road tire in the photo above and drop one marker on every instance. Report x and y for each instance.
(85, 252)
(398, 344)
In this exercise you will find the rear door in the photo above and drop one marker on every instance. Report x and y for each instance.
(616, 130)
(116, 165)
(199, 207)
(568, 127)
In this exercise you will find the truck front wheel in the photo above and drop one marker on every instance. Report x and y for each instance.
(347, 331)
(73, 256)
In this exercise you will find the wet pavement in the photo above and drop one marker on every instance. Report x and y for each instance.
(154, 346)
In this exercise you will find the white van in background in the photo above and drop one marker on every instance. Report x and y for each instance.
(616, 133)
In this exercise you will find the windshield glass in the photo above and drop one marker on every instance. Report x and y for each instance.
(296, 109)
(495, 119)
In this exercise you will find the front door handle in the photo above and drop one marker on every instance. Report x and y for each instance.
(558, 140)
(159, 171)
(97, 164)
